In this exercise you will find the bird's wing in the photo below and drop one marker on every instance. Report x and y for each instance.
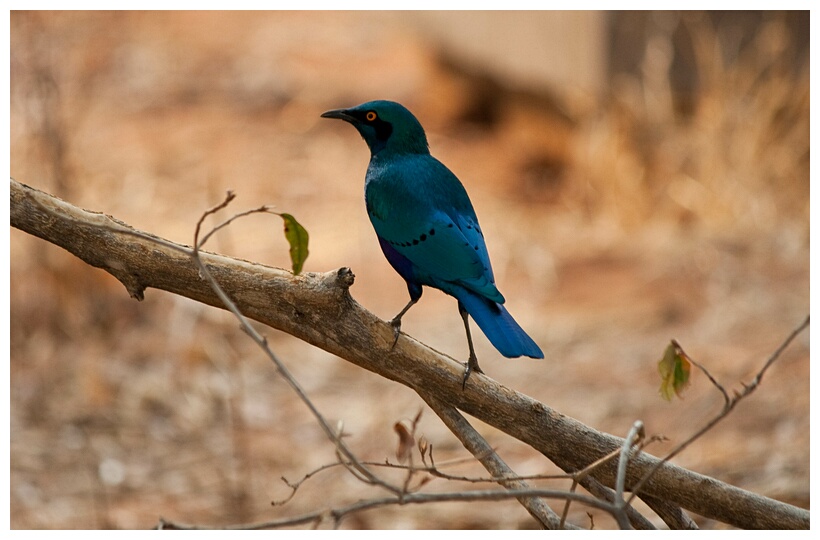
(444, 249)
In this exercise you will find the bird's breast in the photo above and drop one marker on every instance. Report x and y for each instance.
(393, 196)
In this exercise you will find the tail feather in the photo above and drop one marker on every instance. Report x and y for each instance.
(498, 325)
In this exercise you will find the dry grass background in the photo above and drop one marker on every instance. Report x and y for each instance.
(612, 229)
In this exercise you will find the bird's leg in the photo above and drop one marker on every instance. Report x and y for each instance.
(472, 362)
(396, 321)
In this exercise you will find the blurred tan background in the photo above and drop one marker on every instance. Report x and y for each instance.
(639, 176)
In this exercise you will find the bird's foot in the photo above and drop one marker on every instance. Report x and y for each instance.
(396, 324)
(472, 365)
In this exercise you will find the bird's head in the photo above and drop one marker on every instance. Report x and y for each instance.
(385, 126)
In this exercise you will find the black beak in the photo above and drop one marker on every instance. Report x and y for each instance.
(341, 114)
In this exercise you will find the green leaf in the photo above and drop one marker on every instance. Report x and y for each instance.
(297, 237)
(674, 369)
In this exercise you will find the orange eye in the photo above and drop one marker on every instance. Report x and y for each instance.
(370, 116)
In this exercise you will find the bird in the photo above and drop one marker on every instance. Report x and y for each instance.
(427, 228)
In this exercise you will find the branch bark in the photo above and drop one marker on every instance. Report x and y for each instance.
(317, 308)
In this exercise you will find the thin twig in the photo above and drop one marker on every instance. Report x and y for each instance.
(715, 383)
(261, 209)
(410, 498)
(229, 196)
(411, 469)
(636, 433)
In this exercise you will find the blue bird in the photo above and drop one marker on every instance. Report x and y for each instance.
(427, 227)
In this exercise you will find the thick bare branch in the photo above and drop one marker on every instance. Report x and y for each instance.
(318, 309)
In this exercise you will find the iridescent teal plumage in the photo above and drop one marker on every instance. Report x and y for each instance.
(427, 227)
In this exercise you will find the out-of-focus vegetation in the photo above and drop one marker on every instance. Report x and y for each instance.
(661, 210)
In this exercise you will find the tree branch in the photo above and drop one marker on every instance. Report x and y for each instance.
(318, 309)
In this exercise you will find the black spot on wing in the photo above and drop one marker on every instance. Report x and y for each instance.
(414, 241)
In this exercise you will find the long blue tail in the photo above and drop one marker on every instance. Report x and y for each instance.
(498, 325)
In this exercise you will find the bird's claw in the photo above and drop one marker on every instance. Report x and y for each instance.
(472, 365)
(396, 324)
